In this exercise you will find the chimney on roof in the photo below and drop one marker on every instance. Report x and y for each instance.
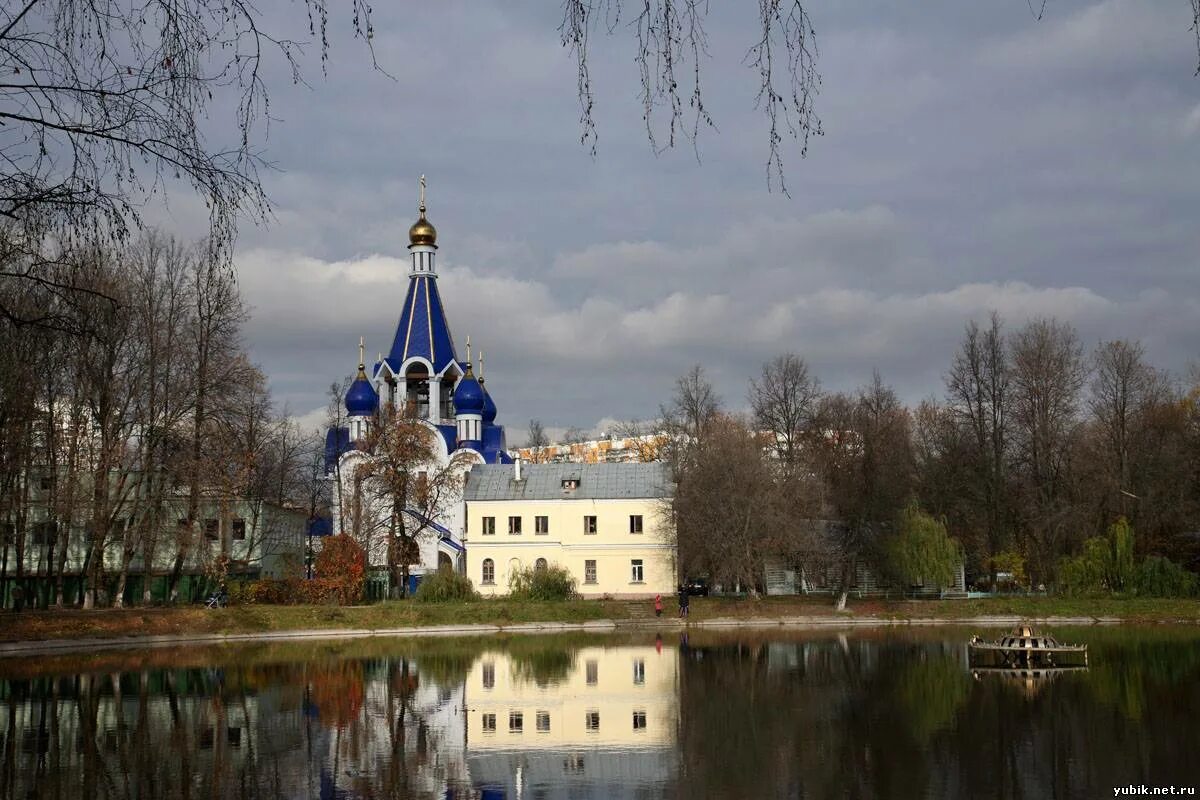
(517, 468)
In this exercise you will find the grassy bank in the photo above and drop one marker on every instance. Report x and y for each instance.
(108, 623)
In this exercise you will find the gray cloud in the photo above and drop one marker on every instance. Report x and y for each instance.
(974, 159)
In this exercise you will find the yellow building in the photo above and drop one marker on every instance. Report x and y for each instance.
(603, 723)
(623, 696)
(606, 523)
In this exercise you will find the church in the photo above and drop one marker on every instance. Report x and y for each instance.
(422, 374)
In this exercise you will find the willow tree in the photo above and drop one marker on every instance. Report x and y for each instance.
(920, 551)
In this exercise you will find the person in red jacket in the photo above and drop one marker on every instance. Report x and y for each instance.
(658, 605)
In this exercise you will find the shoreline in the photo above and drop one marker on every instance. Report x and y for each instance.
(15, 649)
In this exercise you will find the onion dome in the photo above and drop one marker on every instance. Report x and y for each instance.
(422, 231)
(468, 396)
(361, 398)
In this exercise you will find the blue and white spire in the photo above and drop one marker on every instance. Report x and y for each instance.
(468, 408)
(362, 401)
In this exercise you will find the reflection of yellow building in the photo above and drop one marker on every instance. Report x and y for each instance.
(603, 522)
(622, 697)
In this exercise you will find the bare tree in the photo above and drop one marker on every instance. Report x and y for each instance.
(785, 402)
(643, 438)
(686, 418)
(977, 388)
(537, 440)
(867, 467)
(671, 47)
(727, 507)
(104, 105)
(1048, 374)
(1123, 388)
(213, 343)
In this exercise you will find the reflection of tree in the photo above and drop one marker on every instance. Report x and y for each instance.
(544, 666)
(844, 718)
(337, 691)
(929, 691)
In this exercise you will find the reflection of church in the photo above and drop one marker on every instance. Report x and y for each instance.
(603, 725)
(423, 374)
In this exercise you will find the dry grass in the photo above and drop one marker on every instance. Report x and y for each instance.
(192, 620)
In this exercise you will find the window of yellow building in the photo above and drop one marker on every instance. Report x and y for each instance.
(516, 722)
(489, 723)
(514, 526)
(635, 523)
(489, 526)
(589, 524)
(638, 574)
(489, 572)
(541, 524)
(589, 571)
(639, 720)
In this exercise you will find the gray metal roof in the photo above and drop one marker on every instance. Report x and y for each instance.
(545, 481)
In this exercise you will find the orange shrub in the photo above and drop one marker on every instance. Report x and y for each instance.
(343, 564)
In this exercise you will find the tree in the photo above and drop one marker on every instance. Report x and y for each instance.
(643, 438)
(1125, 390)
(1048, 374)
(785, 402)
(866, 464)
(671, 46)
(401, 488)
(343, 563)
(920, 551)
(693, 407)
(977, 388)
(104, 105)
(729, 511)
(537, 440)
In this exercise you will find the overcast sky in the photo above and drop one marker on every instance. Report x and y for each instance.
(974, 158)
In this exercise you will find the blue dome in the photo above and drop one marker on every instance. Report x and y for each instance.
(489, 407)
(362, 399)
(468, 397)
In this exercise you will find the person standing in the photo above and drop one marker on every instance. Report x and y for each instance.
(683, 601)
(658, 605)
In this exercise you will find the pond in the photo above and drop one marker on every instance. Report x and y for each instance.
(875, 713)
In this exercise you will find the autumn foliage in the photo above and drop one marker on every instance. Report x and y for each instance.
(342, 566)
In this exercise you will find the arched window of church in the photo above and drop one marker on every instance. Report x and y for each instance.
(540, 565)
(416, 385)
(489, 571)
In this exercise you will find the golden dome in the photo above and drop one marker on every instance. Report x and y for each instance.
(422, 232)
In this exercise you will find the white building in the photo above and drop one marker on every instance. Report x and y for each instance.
(423, 374)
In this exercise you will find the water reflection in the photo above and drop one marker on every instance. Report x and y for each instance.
(602, 724)
(872, 714)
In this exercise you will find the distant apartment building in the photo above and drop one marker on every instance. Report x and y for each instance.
(233, 536)
(605, 450)
(605, 523)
